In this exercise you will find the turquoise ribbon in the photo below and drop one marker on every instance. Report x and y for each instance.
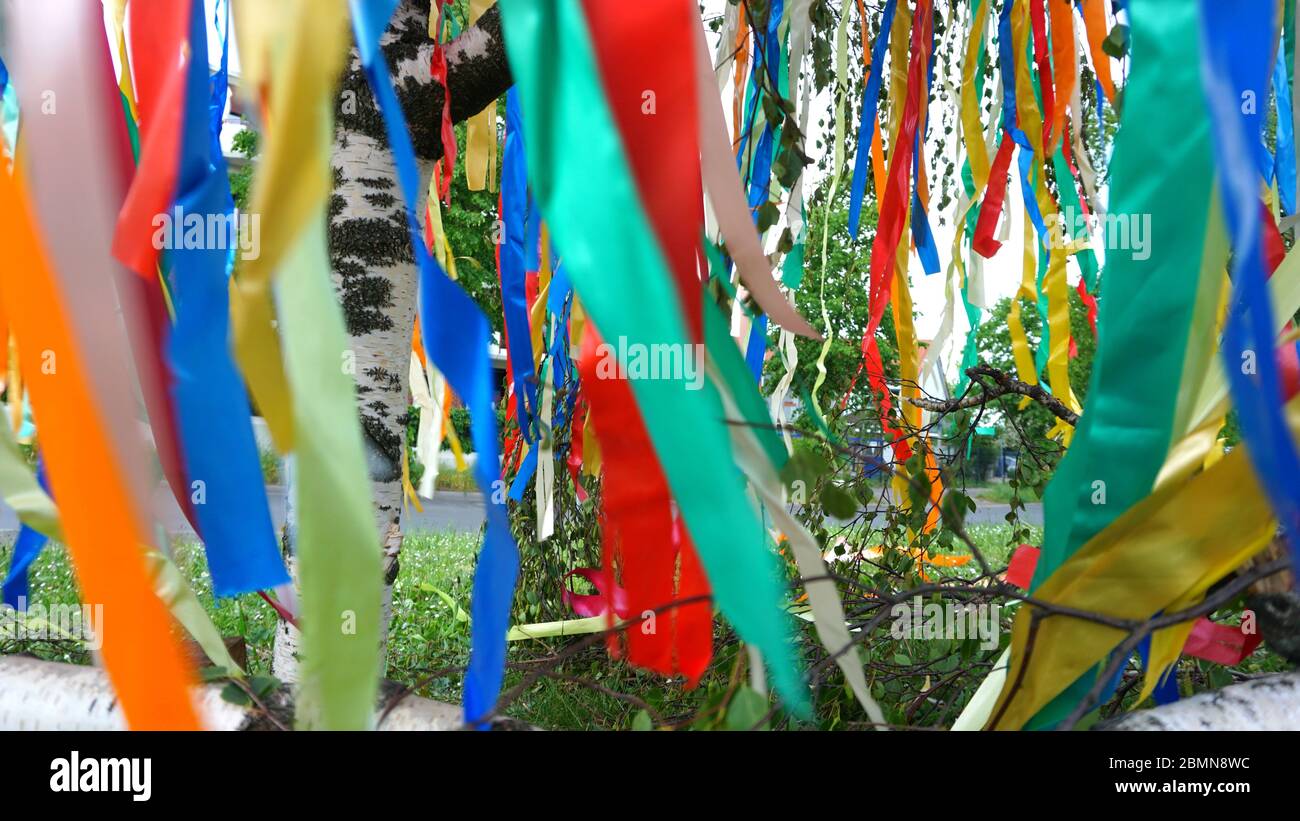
(583, 182)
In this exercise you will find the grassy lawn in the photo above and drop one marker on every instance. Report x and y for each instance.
(429, 632)
(1001, 493)
(460, 480)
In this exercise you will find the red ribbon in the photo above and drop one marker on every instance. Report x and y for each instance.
(1274, 250)
(984, 243)
(1089, 302)
(588, 605)
(639, 534)
(651, 91)
(577, 430)
(147, 342)
(1039, 24)
(1021, 569)
(652, 95)
(1220, 643)
(438, 72)
(889, 228)
(160, 94)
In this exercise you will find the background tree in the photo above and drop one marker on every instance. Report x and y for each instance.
(846, 271)
(993, 339)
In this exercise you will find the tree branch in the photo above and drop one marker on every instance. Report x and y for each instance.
(1002, 384)
(477, 70)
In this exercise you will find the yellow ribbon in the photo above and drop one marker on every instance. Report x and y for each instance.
(481, 131)
(1163, 553)
(288, 190)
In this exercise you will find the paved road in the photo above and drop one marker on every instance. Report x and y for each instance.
(452, 510)
(992, 513)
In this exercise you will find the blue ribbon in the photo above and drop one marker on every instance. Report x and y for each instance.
(1284, 161)
(866, 125)
(213, 414)
(1166, 689)
(557, 304)
(922, 236)
(220, 83)
(1236, 44)
(27, 547)
(760, 169)
(756, 349)
(456, 336)
(1007, 57)
(514, 291)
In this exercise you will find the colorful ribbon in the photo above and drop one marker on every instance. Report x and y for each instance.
(574, 143)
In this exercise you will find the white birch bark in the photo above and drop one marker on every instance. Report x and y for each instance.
(1269, 703)
(374, 272)
(47, 695)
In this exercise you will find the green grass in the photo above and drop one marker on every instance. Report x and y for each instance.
(426, 635)
(1001, 493)
(460, 480)
(270, 461)
(995, 542)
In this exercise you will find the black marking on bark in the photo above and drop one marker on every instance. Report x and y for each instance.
(364, 300)
(406, 41)
(385, 441)
(376, 241)
(349, 268)
(384, 378)
(382, 183)
(381, 200)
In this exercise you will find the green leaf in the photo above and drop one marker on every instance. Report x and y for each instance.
(641, 721)
(458, 612)
(747, 709)
(1116, 42)
(838, 503)
(263, 686)
(954, 508)
(235, 694)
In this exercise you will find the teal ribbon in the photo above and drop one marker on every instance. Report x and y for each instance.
(581, 179)
(1162, 167)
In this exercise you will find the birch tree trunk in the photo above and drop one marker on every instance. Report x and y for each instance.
(48, 695)
(1268, 703)
(373, 265)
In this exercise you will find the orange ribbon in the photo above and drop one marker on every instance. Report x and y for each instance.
(105, 533)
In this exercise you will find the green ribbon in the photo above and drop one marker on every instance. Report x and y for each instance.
(583, 183)
(1162, 168)
(339, 566)
(21, 491)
